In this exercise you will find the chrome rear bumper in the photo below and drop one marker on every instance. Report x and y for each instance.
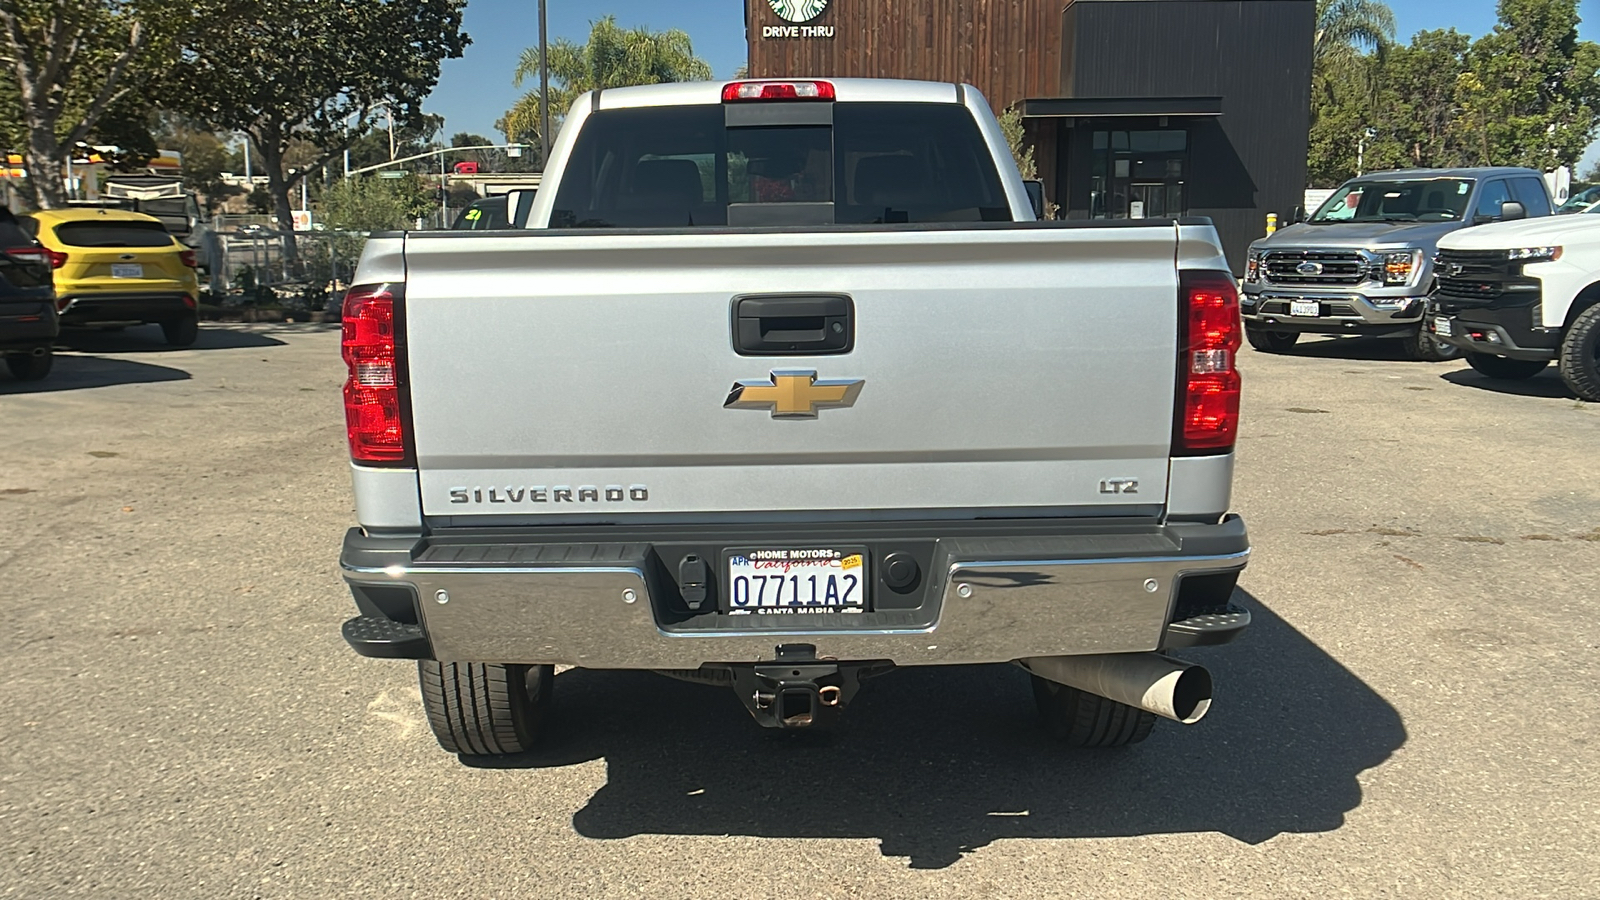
(987, 600)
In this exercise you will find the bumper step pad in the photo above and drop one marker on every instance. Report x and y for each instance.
(1207, 630)
(382, 638)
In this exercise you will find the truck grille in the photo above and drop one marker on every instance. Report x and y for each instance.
(1473, 274)
(1314, 267)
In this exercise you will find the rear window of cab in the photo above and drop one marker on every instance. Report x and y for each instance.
(113, 234)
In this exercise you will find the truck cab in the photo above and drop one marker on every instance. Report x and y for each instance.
(1518, 296)
(1361, 264)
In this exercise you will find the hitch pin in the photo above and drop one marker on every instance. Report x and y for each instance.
(829, 695)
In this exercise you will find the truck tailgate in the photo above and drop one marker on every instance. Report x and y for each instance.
(1003, 370)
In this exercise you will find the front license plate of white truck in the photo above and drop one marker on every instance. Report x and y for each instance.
(1305, 309)
(1441, 326)
(797, 581)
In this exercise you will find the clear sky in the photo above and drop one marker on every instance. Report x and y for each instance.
(476, 90)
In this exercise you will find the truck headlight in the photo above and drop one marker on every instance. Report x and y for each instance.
(1534, 254)
(1400, 266)
(1252, 266)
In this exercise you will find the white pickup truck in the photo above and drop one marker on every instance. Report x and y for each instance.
(1517, 296)
(784, 386)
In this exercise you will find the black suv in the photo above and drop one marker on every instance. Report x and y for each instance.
(28, 325)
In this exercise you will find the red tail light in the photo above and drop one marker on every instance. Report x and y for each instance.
(55, 259)
(35, 255)
(188, 258)
(1209, 336)
(742, 91)
(373, 414)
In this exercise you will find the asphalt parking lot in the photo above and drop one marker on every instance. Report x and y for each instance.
(1413, 714)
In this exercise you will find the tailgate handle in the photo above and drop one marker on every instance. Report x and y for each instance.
(793, 324)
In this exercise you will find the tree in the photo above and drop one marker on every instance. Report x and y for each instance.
(1526, 94)
(1351, 25)
(313, 71)
(1533, 95)
(73, 66)
(613, 57)
(205, 157)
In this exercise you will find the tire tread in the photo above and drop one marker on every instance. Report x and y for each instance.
(484, 709)
(1577, 362)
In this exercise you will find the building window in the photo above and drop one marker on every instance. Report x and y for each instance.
(1139, 174)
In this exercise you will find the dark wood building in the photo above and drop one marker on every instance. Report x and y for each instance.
(1134, 107)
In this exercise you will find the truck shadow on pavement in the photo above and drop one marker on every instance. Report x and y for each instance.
(71, 372)
(148, 339)
(1546, 384)
(1351, 348)
(936, 763)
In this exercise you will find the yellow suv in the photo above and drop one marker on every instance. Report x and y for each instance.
(114, 267)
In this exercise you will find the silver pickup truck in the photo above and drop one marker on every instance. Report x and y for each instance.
(784, 387)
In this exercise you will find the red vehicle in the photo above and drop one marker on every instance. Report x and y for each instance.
(465, 168)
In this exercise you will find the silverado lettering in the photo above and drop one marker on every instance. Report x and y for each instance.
(611, 493)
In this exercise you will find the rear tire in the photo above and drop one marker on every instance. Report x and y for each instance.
(1424, 347)
(27, 367)
(1271, 341)
(181, 332)
(1580, 355)
(485, 709)
(1504, 368)
(1081, 719)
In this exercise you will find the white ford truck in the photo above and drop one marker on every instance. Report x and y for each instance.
(1517, 296)
(784, 386)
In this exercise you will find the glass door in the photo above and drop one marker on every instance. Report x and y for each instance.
(1139, 174)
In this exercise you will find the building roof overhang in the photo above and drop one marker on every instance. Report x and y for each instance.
(1096, 107)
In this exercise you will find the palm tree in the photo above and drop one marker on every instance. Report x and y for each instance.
(613, 57)
(1344, 26)
(1345, 29)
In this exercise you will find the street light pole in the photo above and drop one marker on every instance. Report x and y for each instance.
(544, 92)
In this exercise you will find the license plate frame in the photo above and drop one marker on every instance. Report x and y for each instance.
(790, 568)
(1305, 309)
(127, 270)
(1442, 326)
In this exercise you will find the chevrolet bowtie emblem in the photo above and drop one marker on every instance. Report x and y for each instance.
(794, 394)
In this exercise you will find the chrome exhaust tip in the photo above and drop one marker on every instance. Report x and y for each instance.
(1170, 688)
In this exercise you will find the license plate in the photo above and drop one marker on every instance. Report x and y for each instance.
(1441, 325)
(1305, 309)
(127, 270)
(797, 580)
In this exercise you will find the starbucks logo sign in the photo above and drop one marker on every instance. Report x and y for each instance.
(798, 10)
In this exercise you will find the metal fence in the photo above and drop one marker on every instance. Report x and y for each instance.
(246, 251)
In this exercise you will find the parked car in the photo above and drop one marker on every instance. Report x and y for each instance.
(930, 452)
(28, 324)
(1362, 263)
(1520, 295)
(492, 213)
(114, 267)
(1580, 201)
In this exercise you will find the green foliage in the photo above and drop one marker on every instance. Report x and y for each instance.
(364, 203)
(76, 71)
(1011, 127)
(314, 71)
(1346, 25)
(205, 157)
(613, 57)
(1526, 94)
